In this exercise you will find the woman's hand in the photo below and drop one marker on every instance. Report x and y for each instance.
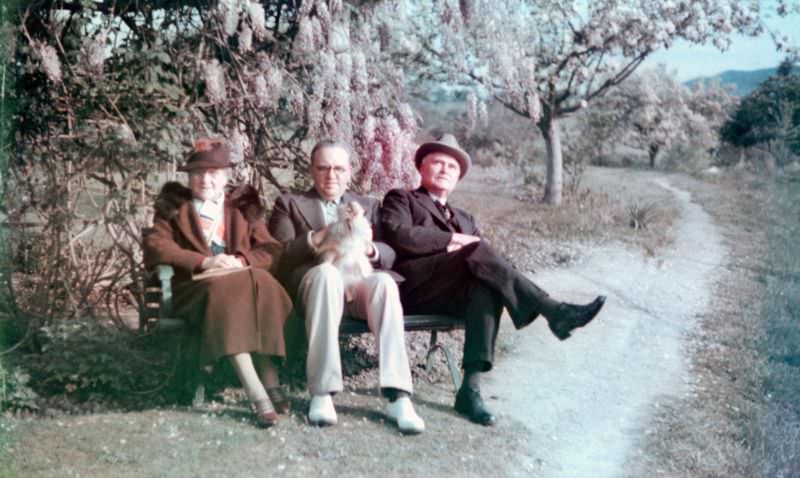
(221, 261)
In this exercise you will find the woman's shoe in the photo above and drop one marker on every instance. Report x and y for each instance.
(279, 399)
(264, 413)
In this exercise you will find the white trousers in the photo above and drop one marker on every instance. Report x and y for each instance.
(375, 299)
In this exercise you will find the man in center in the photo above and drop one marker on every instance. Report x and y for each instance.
(300, 222)
(450, 269)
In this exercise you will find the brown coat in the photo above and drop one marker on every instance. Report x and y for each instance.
(239, 312)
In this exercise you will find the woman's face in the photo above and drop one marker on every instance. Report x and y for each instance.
(208, 184)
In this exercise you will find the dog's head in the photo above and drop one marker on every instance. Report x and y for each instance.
(351, 215)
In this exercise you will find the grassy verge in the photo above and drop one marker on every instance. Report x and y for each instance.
(533, 235)
(741, 418)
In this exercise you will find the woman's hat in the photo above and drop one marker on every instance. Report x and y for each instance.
(447, 144)
(207, 154)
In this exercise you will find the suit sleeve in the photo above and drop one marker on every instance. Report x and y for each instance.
(386, 255)
(160, 248)
(400, 231)
(296, 249)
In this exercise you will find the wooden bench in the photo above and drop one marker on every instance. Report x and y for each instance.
(156, 315)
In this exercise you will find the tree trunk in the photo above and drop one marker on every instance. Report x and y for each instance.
(652, 152)
(555, 179)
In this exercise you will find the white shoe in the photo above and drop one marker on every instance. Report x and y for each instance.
(402, 412)
(321, 411)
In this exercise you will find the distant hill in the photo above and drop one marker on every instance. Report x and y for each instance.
(743, 81)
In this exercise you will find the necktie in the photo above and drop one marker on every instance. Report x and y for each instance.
(330, 210)
(444, 210)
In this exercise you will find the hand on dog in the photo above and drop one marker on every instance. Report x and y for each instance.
(317, 237)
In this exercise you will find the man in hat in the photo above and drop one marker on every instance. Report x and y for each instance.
(450, 269)
(300, 221)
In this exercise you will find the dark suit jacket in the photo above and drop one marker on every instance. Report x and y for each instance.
(419, 233)
(295, 214)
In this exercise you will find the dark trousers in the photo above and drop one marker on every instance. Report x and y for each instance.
(475, 283)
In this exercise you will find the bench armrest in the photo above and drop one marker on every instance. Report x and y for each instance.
(165, 274)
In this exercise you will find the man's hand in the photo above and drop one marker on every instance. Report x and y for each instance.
(460, 240)
(221, 261)
(318, 236)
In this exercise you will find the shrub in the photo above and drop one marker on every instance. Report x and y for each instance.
(15, 390)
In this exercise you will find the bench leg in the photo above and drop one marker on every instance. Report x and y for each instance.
(455, 374)
(199, 396)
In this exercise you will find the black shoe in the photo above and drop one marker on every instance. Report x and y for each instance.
(569, 317)
(470, 404)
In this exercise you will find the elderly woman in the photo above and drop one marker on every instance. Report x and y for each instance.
(218, 244)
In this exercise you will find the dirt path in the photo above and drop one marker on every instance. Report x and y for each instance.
(585, 402)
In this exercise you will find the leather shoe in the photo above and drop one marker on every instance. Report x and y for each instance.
(470, 404)
(401, 411)
(569, 317)
(264, 413)
(279, 399)
(321, 411)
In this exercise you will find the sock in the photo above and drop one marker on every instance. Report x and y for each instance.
(549, 307)
(393, 394)
(243, 365)
(472, 378)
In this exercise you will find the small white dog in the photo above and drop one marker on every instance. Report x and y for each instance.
(347, 242)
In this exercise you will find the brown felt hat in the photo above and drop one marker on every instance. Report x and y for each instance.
(208, 154)
(447, 144)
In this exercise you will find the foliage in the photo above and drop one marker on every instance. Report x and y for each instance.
(547, 59)
(15, 390)
(653, 112)
(108, 98)
(84, 360)
(769, 117)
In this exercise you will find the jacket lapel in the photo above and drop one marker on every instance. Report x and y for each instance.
(189, 225)
(310, 211)
(427, 202)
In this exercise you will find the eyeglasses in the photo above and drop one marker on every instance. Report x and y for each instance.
(325, 170)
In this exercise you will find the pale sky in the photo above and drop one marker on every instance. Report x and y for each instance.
(745, 53)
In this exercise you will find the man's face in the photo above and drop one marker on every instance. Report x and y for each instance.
(440, 173)
(331, 170)
(208, 183)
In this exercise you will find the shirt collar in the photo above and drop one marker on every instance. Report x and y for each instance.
(437, 199)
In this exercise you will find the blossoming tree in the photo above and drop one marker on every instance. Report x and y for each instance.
(108, 94)
(546, 59)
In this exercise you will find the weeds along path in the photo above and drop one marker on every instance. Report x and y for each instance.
(585, 402)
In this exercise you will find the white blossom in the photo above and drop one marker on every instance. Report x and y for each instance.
(238, 143)
(230, 17)
(472, 110)
(339, 38)
(215, 81)
(304, 41)
(255, 11)
(245, 40)
(93, 53)
(534, 107)
(50, 62)
(261, 92)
